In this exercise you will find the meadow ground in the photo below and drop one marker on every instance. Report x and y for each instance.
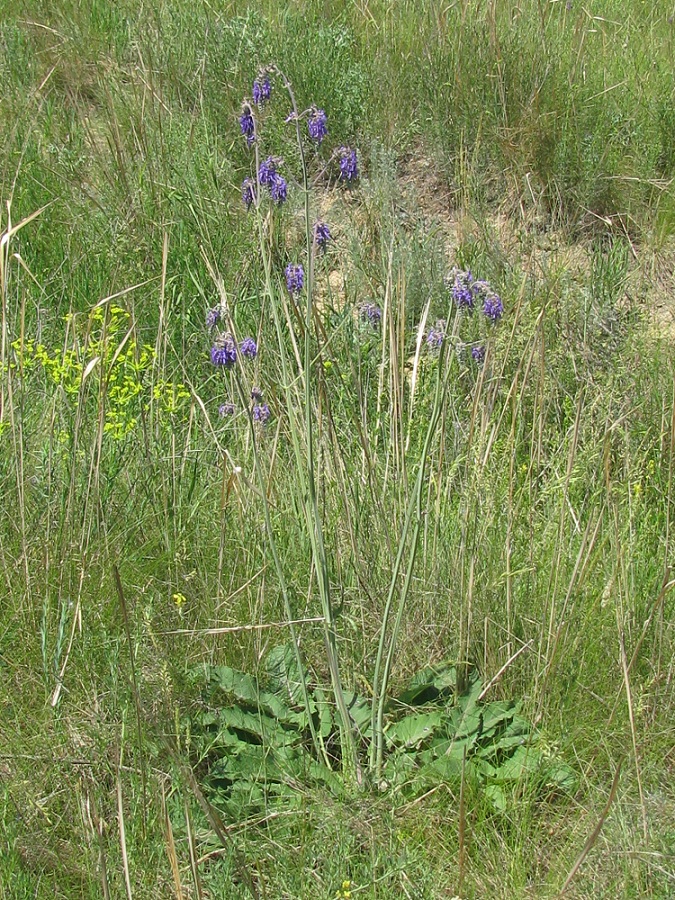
(457, 486)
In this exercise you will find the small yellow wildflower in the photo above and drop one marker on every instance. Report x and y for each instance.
(179, 600)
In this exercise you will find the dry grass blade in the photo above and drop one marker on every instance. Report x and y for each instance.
(123, 836)
(593, 836)
(171, 849)
(134, 686)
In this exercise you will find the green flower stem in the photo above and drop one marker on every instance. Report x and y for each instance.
(414, 510)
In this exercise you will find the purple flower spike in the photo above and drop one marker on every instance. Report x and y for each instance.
(493, 308)
(371, 313)
(261, 413)
(295, 278)
(321, 235)
(463, 290)
(248, 348)
(247, 193)
(436, 335)
(224, 351)
(267, 170)
(348, 164)
(278, 189)
(262, 89)
(247, 125)
(478, 354)
(213, 317)
(226, 409)
(317, 124)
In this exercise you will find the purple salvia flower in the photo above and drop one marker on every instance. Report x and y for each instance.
(317, 124)
(261, 413)
(478, 354)
(247, 125)
(371, 313)
(278, 189)
(262, 89)
(321, 235)
(493, 308)
(213, 317)
(267, 170)
(348, 164)
(295, 278)
(462, 290)
(256, 394)
(248, 348)
(436, 335)
(226, 409)
(224, 351)
(247, 193)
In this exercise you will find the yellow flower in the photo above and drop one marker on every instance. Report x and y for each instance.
(179, 600)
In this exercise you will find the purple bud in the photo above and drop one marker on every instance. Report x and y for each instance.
(295, 278)
(224, 351)
(248, 348)
(278, 189)
(247, 125)
(321, 235)
(317, 124)
(493, 308)
(436, 335)
(262, 89)
(348, 164)
(213, 317)
(261, 413)
(267, 170)
(247, 193)
(226, 409)
(256, 393)
(478, 354)
(371, 313)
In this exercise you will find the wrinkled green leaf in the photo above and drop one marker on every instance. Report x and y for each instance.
(429, 684)
(413, 730)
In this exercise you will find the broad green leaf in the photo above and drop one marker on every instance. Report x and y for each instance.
(525, 761)
(429, 684)
(413, 730)
(246, 689)
(360, 711)
(284, 673)
(497, 794)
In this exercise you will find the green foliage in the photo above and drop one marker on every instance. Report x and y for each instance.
(252, 739)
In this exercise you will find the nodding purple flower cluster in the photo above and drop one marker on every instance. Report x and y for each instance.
(317, 124)
(436, 335)
(270, 178)
(478, 353)
(370, 313)
(247, 124)
(493, 308)
(321, 235)
(224, 350)
(226, 409)
(261, 413)
(249, 348)
(462, 289)
(295, 278)
(256, 394)
(348, 164)
(466, 291)
(247, 193)
(213, 316)
(262, 89)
